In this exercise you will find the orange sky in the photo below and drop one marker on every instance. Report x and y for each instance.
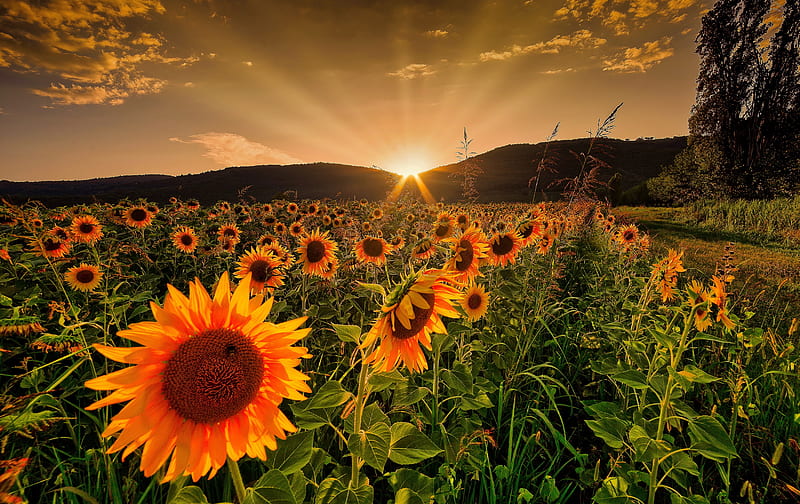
(92, 88)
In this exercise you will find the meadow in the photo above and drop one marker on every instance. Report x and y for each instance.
(328, 351)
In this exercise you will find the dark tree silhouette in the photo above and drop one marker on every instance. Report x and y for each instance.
(748, 97)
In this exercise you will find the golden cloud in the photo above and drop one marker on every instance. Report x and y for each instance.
(413, 71)
(581, 39)
(86, 45)
(230, 149)
(640, 59)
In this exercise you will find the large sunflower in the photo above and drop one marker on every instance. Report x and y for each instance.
(372, 249)
(475, 302)
(207, 383)
(468, 250)
(86, 229)
(264, 269)
(317, 253)
(84, 277)
(411, 313)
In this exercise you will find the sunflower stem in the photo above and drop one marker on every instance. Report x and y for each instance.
(361, 400)
(236, 478)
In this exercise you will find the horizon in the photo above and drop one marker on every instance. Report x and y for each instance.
(162, 87)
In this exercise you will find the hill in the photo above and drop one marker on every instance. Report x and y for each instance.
(506, 172)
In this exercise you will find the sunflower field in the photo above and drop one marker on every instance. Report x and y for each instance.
(391, 352)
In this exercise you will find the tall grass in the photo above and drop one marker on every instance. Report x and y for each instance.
(774, 220)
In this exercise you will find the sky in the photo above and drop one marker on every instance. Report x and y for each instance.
(98, 88)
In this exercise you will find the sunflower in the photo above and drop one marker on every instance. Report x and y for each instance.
(377, 214)
(467, 250)
(280, 228)
(410, 314)
(21, 325)
(528, 231)
(665, 274)
(475, 302)
(84, 277)
(545, 242)
(184, 239)
(52, 246)
(61, 233)
(444, 227)
(504, 247)
(297, 229)
(311, 209)
(698, 299)
(423, 249)
(281, 254)
(291, 208)
(207, 383)
(228, 246)
(317, 253)
(138, 217)
(267, 239)
(263, 268)
(228, 232)
(627, 235)
(718, 298)
(327, 220)
(86, 229)
(397, 243)
(373, 250)
(462, 221)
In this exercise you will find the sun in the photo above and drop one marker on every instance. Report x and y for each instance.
(410, 161)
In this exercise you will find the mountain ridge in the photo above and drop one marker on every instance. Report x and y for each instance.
(506, 172)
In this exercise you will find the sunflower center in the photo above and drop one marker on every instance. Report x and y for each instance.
(627, 235)
(84, 276)
(86, 227)
(213, 376)
(373, 247)
(139, 214)
(315, 251)
(51, 244)
(526, 231)
(229, 232)
(186, 239)
(474, 301)
(466, 255)
(442, 230)
(260, 270)
(421, 317)
(502, 246)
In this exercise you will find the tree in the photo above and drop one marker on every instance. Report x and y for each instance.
(748, 99)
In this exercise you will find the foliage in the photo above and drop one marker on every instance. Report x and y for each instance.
(586, 379)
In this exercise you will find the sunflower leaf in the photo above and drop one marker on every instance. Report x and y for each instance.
(272, 488)
(371, 287)
(189, 495)
(336, 491)
(413, 480)
(409, 445)
(329, 395)
(347, 333)
(407, 496)
(371, 444)
(292, 454)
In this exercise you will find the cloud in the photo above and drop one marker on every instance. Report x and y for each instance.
(87, 46)
(558, 71)
(581, 39)
(413, 71)
(247, 63)
(437, 33)
(619, 14)
(230, 149)
(640, 59)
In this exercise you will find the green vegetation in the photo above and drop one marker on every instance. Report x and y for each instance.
(600, 370)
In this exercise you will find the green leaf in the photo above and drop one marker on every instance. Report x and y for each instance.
(458, 379)
(298, 482)
(413, 480)
(336, 491)
(189, 495)
(409, 445)
(272, 488)
(609, 429)
(371, 287)
(348, 333)
(292, 454)
(632, 378)
(407, 496)
(405, 395)
(372, 415)
(382, 381)
(329, 395)
(647, 448)
(480, 401)
(697, 375)
(372, 444)
(710, 439)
